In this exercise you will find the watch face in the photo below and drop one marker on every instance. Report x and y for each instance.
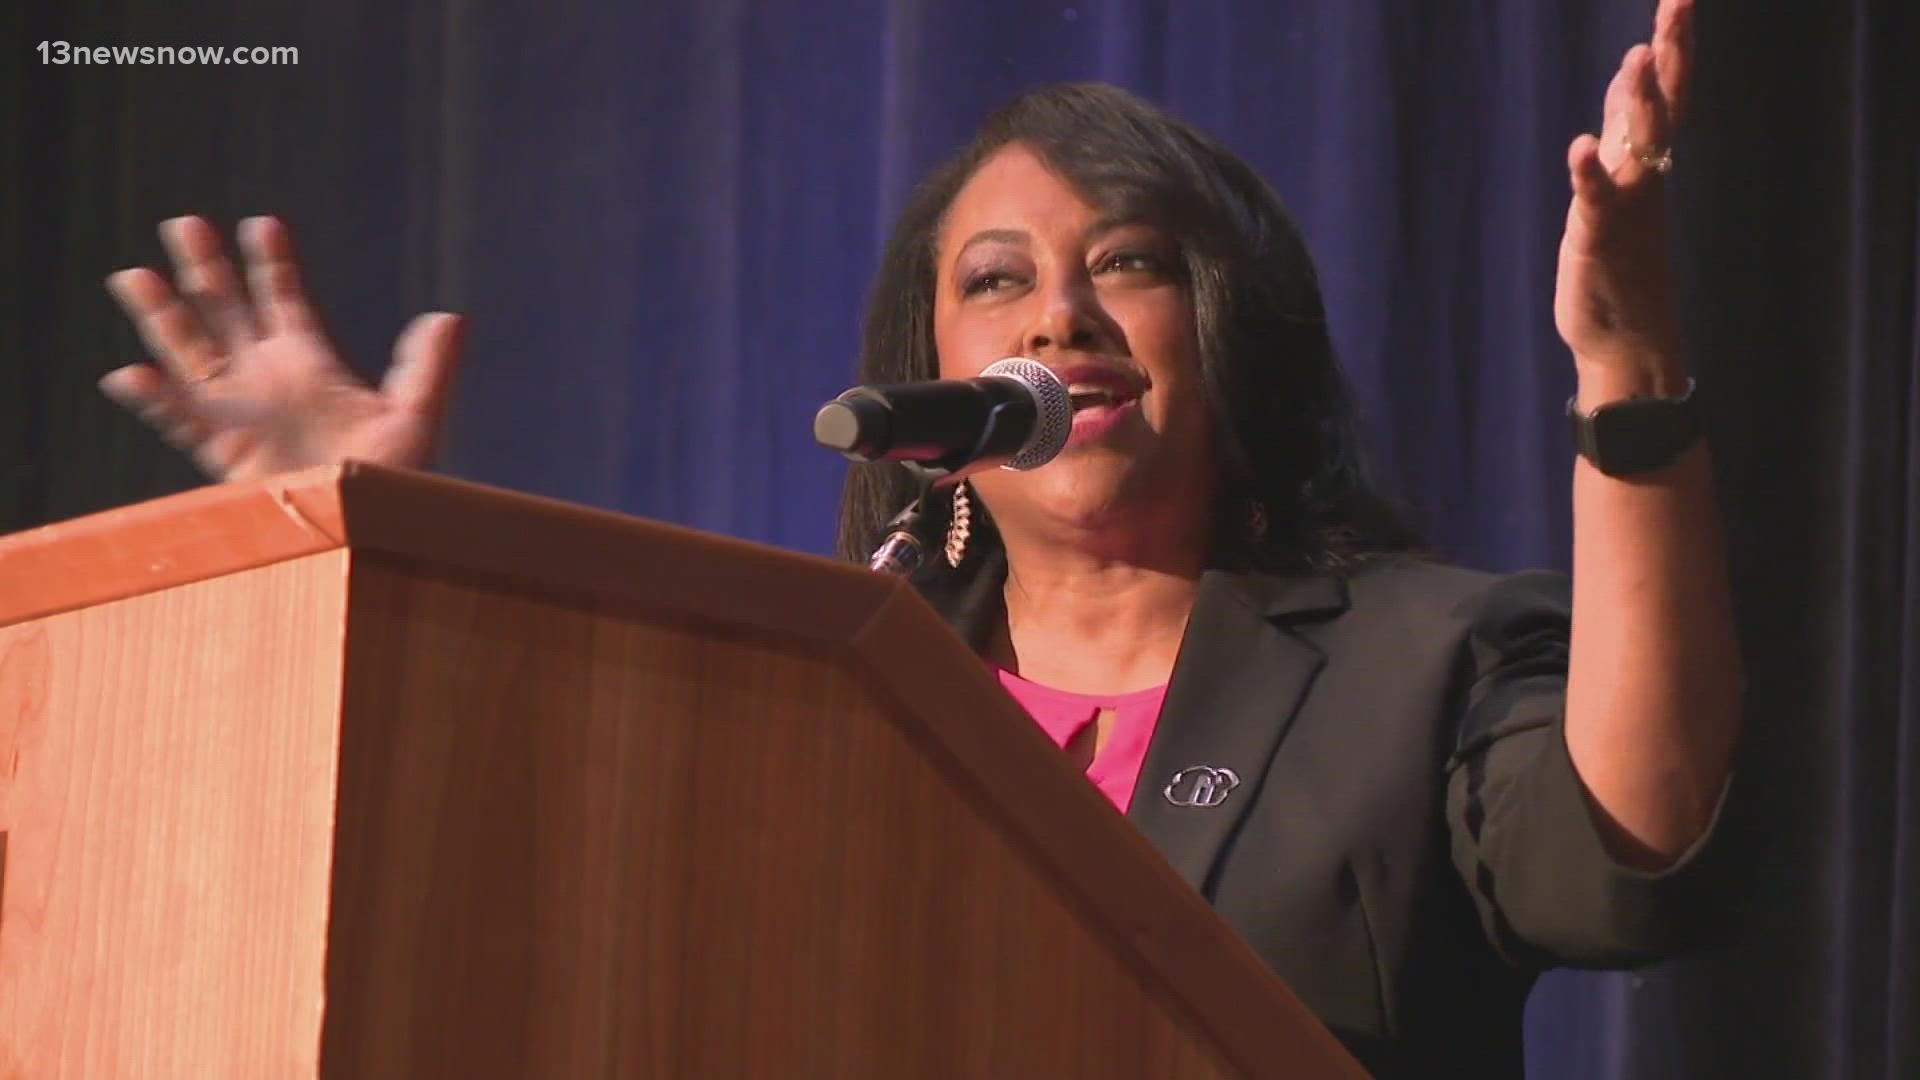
(1639, 435)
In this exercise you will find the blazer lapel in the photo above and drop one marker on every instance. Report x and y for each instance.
(1242, 673)
(1241, 676)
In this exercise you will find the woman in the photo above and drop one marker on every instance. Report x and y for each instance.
(1410, 786)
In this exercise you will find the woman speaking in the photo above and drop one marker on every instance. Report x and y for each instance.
(1412, 787)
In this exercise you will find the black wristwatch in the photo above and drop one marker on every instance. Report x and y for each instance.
(1637, 435)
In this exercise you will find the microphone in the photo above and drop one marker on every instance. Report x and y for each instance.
(1016, 414)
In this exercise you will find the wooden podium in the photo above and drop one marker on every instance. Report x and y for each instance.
(367, 773)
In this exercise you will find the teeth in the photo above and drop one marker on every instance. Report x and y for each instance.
(1082, 394)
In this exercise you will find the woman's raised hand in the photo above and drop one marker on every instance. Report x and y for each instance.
(245, 379)
(1615, 305)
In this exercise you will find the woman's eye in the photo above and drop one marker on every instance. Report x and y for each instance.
(986, 281)
(1122, 261)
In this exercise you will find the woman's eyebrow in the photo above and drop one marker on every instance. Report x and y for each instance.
(1022, 238)
(993, 236)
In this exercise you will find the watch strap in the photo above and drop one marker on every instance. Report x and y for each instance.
(1635, 435)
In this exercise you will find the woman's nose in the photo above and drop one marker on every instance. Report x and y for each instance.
(1068, 319)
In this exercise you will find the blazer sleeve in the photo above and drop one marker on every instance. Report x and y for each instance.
(1523, 837)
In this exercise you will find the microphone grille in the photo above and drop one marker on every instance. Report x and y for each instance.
(1053, 419)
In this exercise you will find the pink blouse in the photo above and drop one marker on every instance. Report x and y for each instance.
(1062, 715)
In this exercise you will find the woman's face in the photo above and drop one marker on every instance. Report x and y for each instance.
(1026, 267)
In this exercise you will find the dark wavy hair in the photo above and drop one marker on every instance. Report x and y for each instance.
(1286, 433)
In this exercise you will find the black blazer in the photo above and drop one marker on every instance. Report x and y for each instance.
(1408, 844)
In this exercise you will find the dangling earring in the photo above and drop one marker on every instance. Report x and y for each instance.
(959, 526)
(1256, 521)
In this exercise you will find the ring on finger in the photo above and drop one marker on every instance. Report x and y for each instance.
(1657, 158)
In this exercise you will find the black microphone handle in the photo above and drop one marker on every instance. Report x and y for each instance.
(948, 422)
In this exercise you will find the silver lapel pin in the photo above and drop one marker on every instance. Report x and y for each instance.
(1204, 786)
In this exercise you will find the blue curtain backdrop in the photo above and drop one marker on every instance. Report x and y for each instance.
(663, 218)
(665, 225)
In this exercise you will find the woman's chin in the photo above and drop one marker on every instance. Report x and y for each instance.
(1087, 487)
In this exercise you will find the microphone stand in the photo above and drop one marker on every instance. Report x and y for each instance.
(905, 547)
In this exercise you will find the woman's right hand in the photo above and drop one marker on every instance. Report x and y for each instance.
(251, 386)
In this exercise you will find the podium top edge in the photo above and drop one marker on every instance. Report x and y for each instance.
(427, 518)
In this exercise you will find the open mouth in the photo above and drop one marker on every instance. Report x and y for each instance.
(1105, 396)
(1100, 411)
(1101, 384)
(1085, 396)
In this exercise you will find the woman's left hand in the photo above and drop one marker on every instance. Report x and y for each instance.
(1615, 303)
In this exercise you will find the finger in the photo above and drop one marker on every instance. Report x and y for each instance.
(134, 385)
(274, 277)
(1592, 184)
(164, 405)
(217, 433)
(1673, 56)
(206, 280)
(1614, 119)
(1648, 129)
(1646, 123)
(167, 326)
(425, 359)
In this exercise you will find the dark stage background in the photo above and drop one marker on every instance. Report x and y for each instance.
(662, 219)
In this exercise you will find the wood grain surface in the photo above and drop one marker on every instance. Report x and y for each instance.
(613, 798)
(603, 847)
(166, 793)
